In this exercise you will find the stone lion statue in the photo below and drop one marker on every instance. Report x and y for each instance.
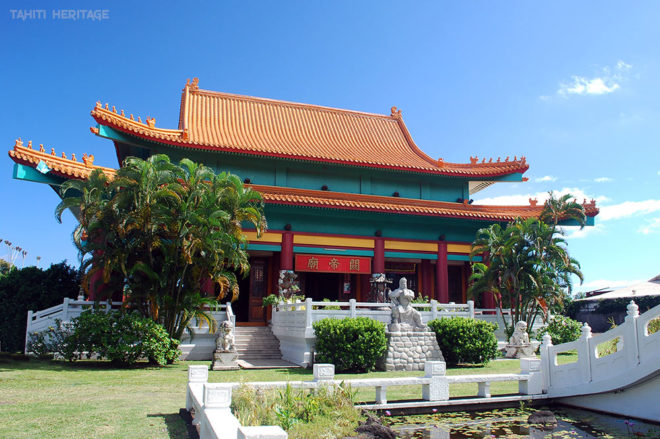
(225, 341)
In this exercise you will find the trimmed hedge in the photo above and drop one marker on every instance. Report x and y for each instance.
(561, 329)
(351, 344)
(465, 340)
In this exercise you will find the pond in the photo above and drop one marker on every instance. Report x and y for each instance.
(512, 423)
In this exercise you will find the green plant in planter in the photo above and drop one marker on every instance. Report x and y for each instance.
(270, 300)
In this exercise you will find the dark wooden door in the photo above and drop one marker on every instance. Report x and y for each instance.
(258, 289)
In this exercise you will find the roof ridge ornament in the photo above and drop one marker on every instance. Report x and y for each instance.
(194, 85)
(395, 113)
(88, 159)
(151, 122)
(474, 160)
(533, 201)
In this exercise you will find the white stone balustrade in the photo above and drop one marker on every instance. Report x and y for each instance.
(69, 309)
(292, 322)
(637, 356)
(209, 403)
(198, 347)
(435, 383)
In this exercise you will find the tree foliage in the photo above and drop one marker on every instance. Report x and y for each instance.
(31, 288)
(529, 270)
(159, 231)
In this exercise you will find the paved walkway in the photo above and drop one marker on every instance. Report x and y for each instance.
(267, 363)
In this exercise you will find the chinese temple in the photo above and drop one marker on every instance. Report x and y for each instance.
(347, 194)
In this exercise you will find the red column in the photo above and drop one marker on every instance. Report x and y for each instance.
(427, 279)
(286, 258)
(442, 274)
(379, 256)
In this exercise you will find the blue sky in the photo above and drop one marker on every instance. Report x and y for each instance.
(570, 85)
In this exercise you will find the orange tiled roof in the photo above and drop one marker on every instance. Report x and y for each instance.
(71, 168)
(227, 122)
(58, 165)
(340, 200)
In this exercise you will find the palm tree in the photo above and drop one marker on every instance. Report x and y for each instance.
(529, 268)
(162, 230)
(563, 208)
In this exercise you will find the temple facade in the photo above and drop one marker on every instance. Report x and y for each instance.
(347, 194)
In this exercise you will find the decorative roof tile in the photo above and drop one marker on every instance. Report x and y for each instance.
(61, 166)
(243, 124)
(325, 199)
(71, 168)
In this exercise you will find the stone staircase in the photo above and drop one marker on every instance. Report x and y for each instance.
(256, 343)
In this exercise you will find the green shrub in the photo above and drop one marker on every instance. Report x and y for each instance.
(464, 340)
(562, 330)
(122, 338)
(31, 288)
(350, 344)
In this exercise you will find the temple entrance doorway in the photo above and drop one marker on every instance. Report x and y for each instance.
(319, 286)
(249, 306)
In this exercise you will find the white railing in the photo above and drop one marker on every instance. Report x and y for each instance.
(292, 322)
(435, 383)
(209, 404)
(69, 309)
(196, 346)
(636, 357)
(198, 343)
(314, 311)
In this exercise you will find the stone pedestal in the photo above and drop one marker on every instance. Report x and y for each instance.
(224, 361)
(410, 350)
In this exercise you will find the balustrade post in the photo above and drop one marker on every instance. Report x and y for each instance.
(585, 352)
(197, 375)
(308, 313)
(381, 394)
(484, 389)
(630, 341)
(534, 384)
(438, 388)
(27, 330)
(352, 308)
(434, 309)
(470, 308)
(65, 310)
(546, 364)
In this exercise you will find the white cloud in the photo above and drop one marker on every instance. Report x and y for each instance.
(608, 80)
(545, 178)
(652, 226)
(603, 179)
(577, 233)
(628, 209)
(523, 199)
(584, 86)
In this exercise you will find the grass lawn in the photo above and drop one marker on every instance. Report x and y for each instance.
(93, 400)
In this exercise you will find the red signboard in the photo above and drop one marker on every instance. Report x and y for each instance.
(333, 264)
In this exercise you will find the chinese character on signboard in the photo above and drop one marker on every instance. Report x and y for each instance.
(313, 263)
(334, 263)
(354, 265)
